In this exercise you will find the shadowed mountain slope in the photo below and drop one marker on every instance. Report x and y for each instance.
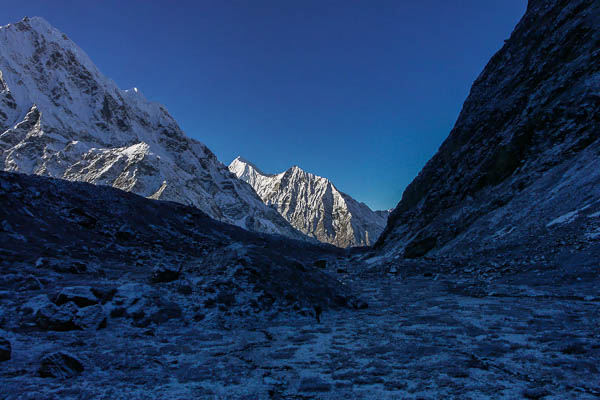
(521, 168)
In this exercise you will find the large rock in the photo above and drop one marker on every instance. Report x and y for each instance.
(54, 318)
(90, 318)
(82, 296)
(59, 365)
(66, 317)
(143, 305)
(163, 273)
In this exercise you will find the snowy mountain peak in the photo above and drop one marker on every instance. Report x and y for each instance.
(61, 117)
(240, 163)
(313, 205)
(24, 34)
(39, 24)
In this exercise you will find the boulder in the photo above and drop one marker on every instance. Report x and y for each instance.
(35, 303)
(54, 318)
(132, 299)
(69, 317)
(143, 304)
(90, 318)
(59, 365)
(163, 274)
(165, 312)
(104, 294)
(60, 266)
(82, 296)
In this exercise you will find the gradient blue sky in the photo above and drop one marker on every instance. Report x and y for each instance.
(362, 92)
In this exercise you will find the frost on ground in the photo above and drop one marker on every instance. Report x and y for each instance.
(105, 294)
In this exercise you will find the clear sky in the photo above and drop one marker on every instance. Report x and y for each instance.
(362, 92)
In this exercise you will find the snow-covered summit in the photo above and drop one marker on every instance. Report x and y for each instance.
(313, 205)
(242, 166)
(61, 117)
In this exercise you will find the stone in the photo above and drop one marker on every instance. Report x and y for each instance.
(5, 349)
(314, 384)
(163, 274)
(70, 317)
(31, 283)
(54, 318)
(59, 365)
(80, 295)
(104, 294)
(166, 311)
(535, 393)
(185, 289)
(90, 318)
(74, 267)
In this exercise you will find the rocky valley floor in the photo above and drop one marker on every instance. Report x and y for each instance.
(444, 336)
(104, 294)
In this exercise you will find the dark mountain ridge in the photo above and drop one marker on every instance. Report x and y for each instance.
(534, 112)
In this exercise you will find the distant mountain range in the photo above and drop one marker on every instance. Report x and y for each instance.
(313, 205)
(60, 117)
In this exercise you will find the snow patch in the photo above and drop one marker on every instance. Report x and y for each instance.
(568, 217)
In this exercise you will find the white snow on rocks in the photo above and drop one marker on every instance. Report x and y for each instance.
(60, 117)
(313, 205)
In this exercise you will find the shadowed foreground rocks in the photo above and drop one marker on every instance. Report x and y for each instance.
(59, 365)
(89, 309)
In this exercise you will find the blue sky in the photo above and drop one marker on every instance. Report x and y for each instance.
(362, 92)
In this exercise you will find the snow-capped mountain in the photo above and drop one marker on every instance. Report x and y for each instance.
(313, 205)
(60, 117)
(521, 168)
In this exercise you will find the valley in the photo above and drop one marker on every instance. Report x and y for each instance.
(135, 265)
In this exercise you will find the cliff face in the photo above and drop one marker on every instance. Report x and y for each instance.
(525, 148)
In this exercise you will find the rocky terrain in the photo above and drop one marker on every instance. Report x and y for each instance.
(313, 205)
(484, 285)
(106, 263)
(60, 117)
(521, 166)
(105, 294)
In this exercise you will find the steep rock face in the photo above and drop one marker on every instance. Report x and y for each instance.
(60, 117)
(313, 205)
(524, 150)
